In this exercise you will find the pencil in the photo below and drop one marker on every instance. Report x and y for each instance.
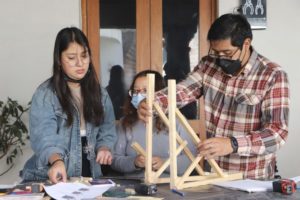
(178, 192)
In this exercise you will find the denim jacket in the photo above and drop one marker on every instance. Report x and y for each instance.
(49, 134)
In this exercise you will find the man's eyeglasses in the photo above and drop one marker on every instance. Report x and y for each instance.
(224, 55)
(134, 92)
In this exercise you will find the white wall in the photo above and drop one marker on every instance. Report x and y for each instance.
(280, 42)
(28, 31)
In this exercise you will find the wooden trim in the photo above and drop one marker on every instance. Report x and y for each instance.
(93, 32)
(142, 35)
(149, 130)
(91, 28)
(156, 35)
(84, 17)
(207, 14)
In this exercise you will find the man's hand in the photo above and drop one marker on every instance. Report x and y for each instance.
(57, 172)
(143, 111)
(104, 156)
(214, 147)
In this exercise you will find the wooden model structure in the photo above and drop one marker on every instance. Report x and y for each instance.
(176, 182)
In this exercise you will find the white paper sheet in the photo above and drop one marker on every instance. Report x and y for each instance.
(248, 185)
(296, 179)
(75, 190)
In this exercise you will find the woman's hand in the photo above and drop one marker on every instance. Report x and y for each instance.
(57, 172)
(139, 161)
(157, 162)
(104, 156)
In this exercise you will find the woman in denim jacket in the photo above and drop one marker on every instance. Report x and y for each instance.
(72, 130)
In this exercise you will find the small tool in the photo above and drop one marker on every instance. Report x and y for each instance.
(178, 192)
(285, 186)
(145, 189)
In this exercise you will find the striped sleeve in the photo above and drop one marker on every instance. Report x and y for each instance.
(187, 91)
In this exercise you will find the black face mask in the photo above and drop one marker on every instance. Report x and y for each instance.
(69, 79)
(229, 66)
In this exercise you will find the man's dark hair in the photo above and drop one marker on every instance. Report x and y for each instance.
(230, 26)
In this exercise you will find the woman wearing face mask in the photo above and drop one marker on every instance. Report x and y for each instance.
(132, 129)
(72, 128)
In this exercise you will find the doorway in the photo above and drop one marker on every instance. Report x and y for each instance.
(150, 36)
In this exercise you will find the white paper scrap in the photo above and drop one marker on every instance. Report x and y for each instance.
(75, 190)
(248, 185)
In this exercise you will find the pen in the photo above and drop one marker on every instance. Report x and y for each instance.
(178, 192)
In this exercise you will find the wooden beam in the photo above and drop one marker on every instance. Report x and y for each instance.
(143, 35)
(178, 138)
(167, 162)
(207, 14)
(156, 35)
(91, 28)
(172, 132)
(188, 128)
(208, 180)
(149, 129)
(188, 171)
(137, 147)
(84, 17)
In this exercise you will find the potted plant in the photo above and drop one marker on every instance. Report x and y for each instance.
(13, 131)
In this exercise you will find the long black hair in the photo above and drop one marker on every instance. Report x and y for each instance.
(90, 87)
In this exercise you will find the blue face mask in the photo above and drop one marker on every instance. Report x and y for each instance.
(136, 99)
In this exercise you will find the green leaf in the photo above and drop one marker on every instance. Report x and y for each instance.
(13, 130)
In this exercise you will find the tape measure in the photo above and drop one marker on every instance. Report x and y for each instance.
(285, 186)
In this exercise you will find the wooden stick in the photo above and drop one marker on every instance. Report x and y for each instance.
(172, 131)
(216, 167)
(187, 126)
(162, 180)
(211, 179)
(137, 147)
(179, 139)
(149, 131)
(189, 170)
(196, 140)
(167, 162)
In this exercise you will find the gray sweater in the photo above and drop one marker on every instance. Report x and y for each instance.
(124, 154)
